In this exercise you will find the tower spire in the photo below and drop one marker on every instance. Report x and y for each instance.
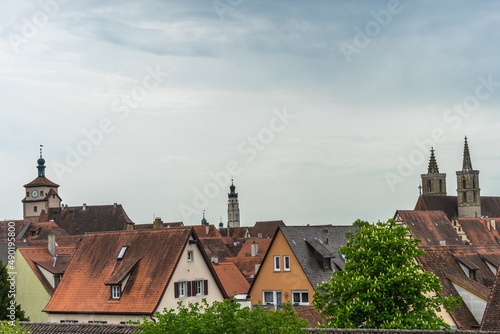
(41, 164)
(467, 165)
(433, 166)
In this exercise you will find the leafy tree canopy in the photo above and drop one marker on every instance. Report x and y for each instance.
(224, 317)
(7, 327)
(382, 286)
(7, 300)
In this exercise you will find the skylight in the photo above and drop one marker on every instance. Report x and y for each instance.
(122, 252)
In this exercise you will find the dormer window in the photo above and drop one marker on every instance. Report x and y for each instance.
(122, 252)
(115, 292)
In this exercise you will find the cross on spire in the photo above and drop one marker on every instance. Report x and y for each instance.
(467, 165)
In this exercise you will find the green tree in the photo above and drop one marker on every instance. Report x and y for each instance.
(382, 286)
(7, 327)
(7, 298)
(224, 317)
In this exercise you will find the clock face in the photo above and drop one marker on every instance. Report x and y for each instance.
(34, 193)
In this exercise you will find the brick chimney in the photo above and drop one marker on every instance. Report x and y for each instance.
(158, 223)
(254, 249)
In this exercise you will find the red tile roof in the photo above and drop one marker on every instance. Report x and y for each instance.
(201, 231)
(235, 232)
(231, 278)
(491, 317)
(490, 206)
(150, 259)
(51, 328)
(215, 247)
(266, 229)
(18, 227)
(246, 265)
(263, 245)
(94, 218)
(431, 227)
(41, 181)
(478, 232)
(42, 257)
(139, 227)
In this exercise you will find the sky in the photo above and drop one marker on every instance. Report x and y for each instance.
(323, 112)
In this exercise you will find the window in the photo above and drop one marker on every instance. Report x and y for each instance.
(115, 292)
(300, 297)
(440, 186)
(190, 256)
(27, 194)
(464, 199)
(97, 322)
(69, 321)
(122, 252)
(182, 289)
(35, 208)
(199, 288)
(286, 263)
(41, 193)
(429, 187)
(272, 298)
(277, 264)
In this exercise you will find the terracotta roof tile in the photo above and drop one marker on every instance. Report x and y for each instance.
(431, 227)
(235, 232)
(246, 265)
(263, 245)
(95, 262)
(139, 227)
(491, 317)
(490, 206)
(477, 231)
(201, 231)
(41, 181)
(18, 227)
(42, 257)
(310, 314)
(95, 218)
(231, 278)
(266, 229)
(215, 247)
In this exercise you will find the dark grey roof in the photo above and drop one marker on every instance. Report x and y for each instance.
(46, 328)
(326, 240)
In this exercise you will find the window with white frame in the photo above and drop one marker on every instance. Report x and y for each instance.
(182, 289)
(286, 263)
(199, 287)
(277, 263)
(190, 256)
(272, 298)
(300, 297)
(115, 292)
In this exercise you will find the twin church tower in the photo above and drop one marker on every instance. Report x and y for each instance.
(468, 191)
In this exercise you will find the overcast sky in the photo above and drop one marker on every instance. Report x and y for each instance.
(322, 111)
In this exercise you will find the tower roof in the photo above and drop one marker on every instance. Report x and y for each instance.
(41, 180)
(433, 166)
(467, 165)
(232, 189)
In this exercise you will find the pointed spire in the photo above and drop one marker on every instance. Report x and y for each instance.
(204, 221)
(433, 167)
(467, 165)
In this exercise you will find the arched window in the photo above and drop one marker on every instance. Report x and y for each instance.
(429, 186)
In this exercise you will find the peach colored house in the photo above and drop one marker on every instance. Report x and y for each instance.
(298, 259)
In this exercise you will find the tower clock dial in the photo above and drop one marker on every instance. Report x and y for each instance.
(34, 193)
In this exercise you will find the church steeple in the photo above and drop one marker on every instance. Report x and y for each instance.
(433, 183)
(468, 191)
(233, 209)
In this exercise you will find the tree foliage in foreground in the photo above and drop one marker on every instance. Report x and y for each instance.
(7, 327)
(382, 286)
(224, 317)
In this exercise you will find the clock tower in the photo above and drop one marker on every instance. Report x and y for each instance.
(41, 194)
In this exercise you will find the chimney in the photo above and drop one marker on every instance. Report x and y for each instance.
(158, 223)
(114, 205)
(215, 259)
(254, 249)
(52, 244)
(488, 224)
(493, 224)
(207, 229)
(84, 206)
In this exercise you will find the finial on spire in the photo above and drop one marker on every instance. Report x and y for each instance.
(467, 165)
(204, 221)
(41, 151)
(41, 164)
(433, 166)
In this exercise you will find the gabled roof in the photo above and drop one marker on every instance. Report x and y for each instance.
(429, 226)
(150, 260)
(442, 261)
(201, 231)
(477, 231)
(235, 232)
(96, 218)
(310, 314)
(231, 278)
(266, 229)
(490, 206)
(246, 265)
(491, 317)
(41, 230)
(41, 181)
(38, 256)
(263, 245)
(215, 247)
(330, 237)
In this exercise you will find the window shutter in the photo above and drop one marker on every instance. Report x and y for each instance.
(176, 289)
(193, 287)
(189, 288)
(205, 288)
